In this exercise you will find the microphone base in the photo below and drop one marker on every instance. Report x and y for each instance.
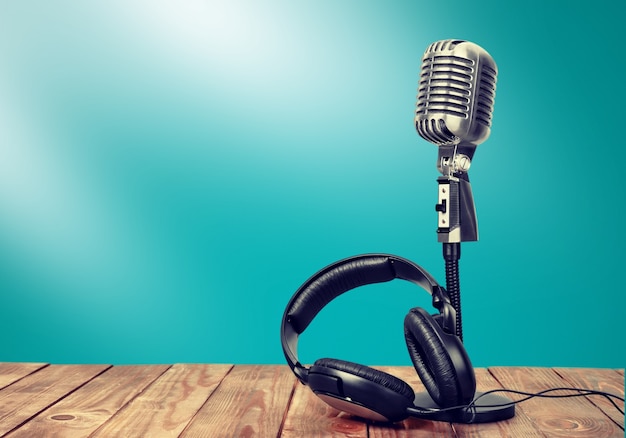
(484, 412)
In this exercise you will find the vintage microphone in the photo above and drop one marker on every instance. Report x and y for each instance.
(454, 109)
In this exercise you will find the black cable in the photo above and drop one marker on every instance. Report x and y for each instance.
(472, 406)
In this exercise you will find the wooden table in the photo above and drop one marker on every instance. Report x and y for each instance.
(194, 400)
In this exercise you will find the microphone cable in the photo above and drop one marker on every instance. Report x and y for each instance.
(472, 407)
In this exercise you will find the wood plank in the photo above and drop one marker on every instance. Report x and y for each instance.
(602, 380)
(411, 427)
(253, 400)
(32, 394)
(567, 417)
(250, 401)
(168, 404)
(308, 416)
(11, 372)
(86, 409)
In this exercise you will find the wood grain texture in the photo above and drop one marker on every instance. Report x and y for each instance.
(86, 409)
(602, 380)
(165, 408)
(194, 400)
(563, 417)
(11, 372)
(250, 401)
(27, 397)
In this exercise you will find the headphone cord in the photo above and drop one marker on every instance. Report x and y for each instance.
(472, 406)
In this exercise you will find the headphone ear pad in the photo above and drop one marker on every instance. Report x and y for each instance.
(360, 390)
(376, 376)
(431, 350)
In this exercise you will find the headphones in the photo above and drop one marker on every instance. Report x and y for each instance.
(437, 353)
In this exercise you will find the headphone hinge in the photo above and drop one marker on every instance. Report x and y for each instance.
(442, 303)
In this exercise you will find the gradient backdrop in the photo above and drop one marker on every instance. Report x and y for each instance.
(171, 171)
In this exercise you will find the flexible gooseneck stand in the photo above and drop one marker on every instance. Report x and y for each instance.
(456, 215)
(457, 223)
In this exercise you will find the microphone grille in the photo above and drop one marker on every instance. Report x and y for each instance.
(486, 95)
(444, 86)
(442, 45)
(435, 131)
(456, 93)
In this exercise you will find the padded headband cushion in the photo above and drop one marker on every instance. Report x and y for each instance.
(345, 275)
(322, 288)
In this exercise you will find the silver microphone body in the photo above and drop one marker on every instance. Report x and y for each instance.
(456, 93)
(455, 100)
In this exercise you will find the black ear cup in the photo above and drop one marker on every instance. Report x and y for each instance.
(376, 376)
(360, 390)
(439, 359)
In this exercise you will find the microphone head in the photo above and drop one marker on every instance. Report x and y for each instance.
(456, 93)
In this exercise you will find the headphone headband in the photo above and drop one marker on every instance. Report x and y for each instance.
(347, 274)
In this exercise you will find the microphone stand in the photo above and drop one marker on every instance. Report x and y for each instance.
(456, 216)
(457, 223)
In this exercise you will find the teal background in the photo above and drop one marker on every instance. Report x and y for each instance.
(172, 171)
